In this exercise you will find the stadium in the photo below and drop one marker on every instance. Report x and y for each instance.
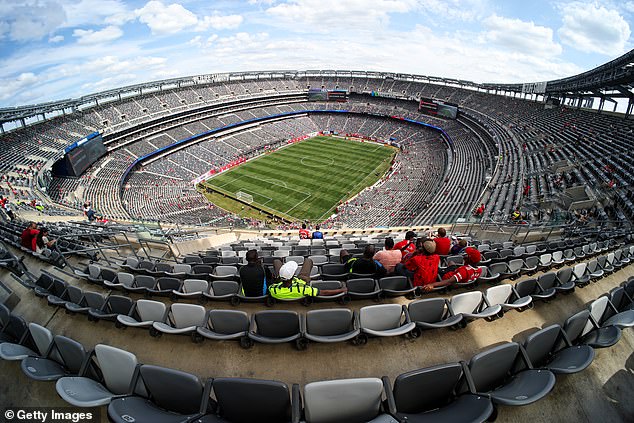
(156, 194)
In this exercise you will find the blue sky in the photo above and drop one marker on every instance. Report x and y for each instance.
(56, 49)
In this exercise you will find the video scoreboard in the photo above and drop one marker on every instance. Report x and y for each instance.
(438, 108)
(321, 94)
(80, 155)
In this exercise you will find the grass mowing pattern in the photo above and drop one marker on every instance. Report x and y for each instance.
(306, 180)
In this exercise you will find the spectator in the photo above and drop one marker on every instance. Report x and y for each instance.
(8, 211)
(288, 286)
(41, 241)
(317, 234)
(408, 245)
(366, 265)
(443, 243)
(480, 210)
(469, 272)
(304, 233)
(459, 247)
(28, 235)
(89, 212)
(422, 267)
(389, 257)
(254, 276)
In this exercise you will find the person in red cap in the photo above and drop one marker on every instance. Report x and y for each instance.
(469, 272)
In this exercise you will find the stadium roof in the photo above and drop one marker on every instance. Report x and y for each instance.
(614, 79)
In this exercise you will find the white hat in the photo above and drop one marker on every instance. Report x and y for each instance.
(288, 270)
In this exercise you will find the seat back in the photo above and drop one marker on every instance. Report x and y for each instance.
(16, 327)
(277, 323)
(575, 324)
(71, 353)
(564, 275)
(467, 302)
(74, 294)
(547, 280)
(126, 279)
(361, 285)
(597, 310)
(518, 251)
(181, 268)
(545, 259)
(191, 286)
(430, 310)
(515, 265)
(592, 266)
(225, 271)
(225, 287)
(531, 261)
(94, 300)
(333, 269)
(185, 315)
(171, 389)
(558, 255)
(394, 283)
(538, 345)
(326, 284)
(5, 313)
(118, 304)
(42, 337)
(345, 400)
(268, 401)
(381, 317)
(499, 294)
(319, 260)
(150, 311)
(438, 383)
(526, 287)
(498, 268)
(94, 271)
(167, 283)
(145, 281)
(329, 322)
(117, 367)
(228, 321)
(131, 262)
(579, 270)
(146, 265)
(491, 367)
(163, 267)
(202, 269)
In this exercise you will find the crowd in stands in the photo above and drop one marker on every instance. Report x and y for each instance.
(502, 155)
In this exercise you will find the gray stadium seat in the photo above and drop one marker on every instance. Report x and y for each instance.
(550, 349)
(64, 357)
(183, 319)
(442, 400)
(192, 288)
(395, 286)
(605, 314)
(172, 396)
(490, 371)
(112, 307)
(224, 325)
(143, 314)
(38, 337)
(578, 331)
(473, 305)
(223, 290)
(506, 296)
(531, 287)
(96, 388)
(363, 288)
(331, 325)
(276, 327)
(345, 400)
(433, 313)
(385, 320)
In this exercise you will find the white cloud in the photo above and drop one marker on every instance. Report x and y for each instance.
(591, 28)
(89, 36)
(464, 10)
(95, 12)
(166, 19)
(9, 87)
(216, 21)
(30, 20)
(174, 18)
(323, 15)
(520, 37)
(56, 39)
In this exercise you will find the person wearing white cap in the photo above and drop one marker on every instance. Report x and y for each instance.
(288, 286)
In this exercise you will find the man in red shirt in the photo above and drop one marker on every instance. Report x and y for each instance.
(407, 245)
(304, 233)
(422, 267)
(443, 243)
(463, 274)
(28, 235)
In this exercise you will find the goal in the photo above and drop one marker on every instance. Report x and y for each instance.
(243, 196)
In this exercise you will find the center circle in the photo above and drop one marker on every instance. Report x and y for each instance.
(310, 162)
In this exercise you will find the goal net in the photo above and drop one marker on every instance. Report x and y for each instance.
(243, 196)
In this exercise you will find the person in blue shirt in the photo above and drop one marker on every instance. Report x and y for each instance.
(318, 234)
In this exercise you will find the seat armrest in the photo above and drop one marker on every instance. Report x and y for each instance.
(389, 395)
(525, 358)
(204, 403)
(406, 313)
(296, 404)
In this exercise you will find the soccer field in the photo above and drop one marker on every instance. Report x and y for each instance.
(306, 180)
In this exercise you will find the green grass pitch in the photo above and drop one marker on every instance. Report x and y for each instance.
(306, 180)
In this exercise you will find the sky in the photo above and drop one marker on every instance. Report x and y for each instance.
(58, 49)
